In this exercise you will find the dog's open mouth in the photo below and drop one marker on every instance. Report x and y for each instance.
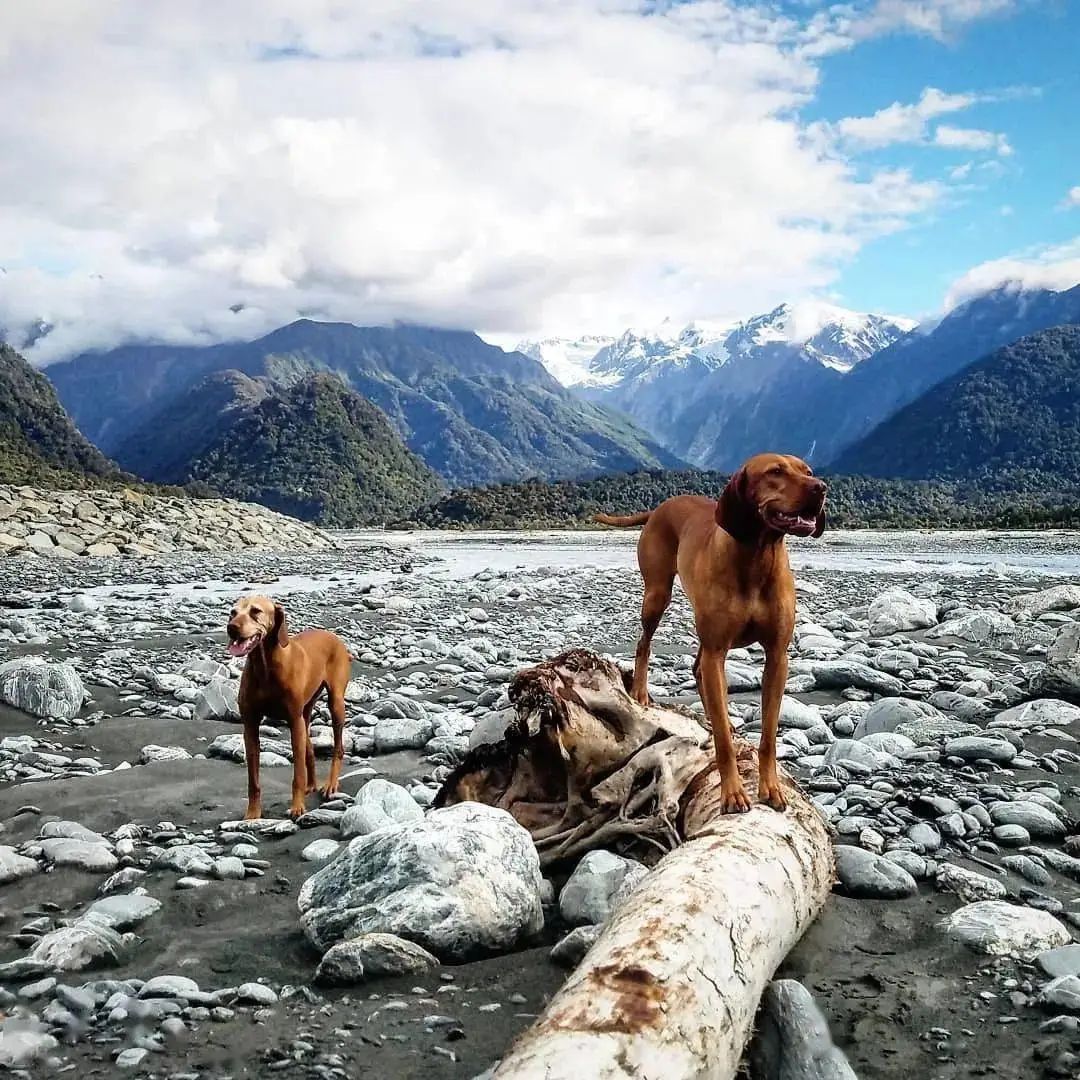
(243, 646)
(793, 524)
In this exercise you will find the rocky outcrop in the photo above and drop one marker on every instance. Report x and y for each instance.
(64, 524)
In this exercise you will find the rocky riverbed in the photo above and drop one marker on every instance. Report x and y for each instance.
(932, 711)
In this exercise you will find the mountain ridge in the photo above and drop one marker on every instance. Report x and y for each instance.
(38, 441)
(315, 450)
(471, 411)
(1014, 413)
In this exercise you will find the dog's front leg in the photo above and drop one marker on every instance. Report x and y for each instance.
(298, 731)
(733, 797)
(772, 693)
(251, 756)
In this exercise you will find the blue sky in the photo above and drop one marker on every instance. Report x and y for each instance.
(198, 172)
(1028, 60)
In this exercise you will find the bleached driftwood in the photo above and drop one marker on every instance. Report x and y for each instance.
(671, 987)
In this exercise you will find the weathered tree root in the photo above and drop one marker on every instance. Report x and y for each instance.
(582, 764)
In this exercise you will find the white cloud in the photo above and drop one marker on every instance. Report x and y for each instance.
(909, 123)
(841, 26)
(935, 18)
(516, 165)
(956, 138)
(899, 123)
(1072, 197)
(1055, 268)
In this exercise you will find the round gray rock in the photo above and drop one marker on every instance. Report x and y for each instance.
(569, 952)
(14, 866)
(401, 733)
(980, 748)
(896, 609)
(890, 712)
(379, 805)
(370, 955)
(863, 874)
(589, 895)
(1062, 961)
(1039, 822)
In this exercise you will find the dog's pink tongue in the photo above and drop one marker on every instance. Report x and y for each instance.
(237, 648)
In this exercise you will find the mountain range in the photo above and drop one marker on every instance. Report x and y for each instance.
(348, 424)
(1012, 418)
(810, 379)
(473, 413)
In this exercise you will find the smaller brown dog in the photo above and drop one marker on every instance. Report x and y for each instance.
(282, 678)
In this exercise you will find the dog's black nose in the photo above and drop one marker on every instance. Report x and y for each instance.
(232, 632)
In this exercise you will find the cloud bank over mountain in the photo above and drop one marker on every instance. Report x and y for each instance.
(207, 171)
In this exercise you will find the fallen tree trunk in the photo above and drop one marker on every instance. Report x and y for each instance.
(671, 987)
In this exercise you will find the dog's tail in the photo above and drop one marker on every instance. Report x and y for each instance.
(623, 522)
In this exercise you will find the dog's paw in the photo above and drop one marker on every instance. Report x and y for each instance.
(328, 792)
(733, 799)
(297, 811)
(769, 791)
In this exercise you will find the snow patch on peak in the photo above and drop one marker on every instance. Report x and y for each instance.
(568, 360)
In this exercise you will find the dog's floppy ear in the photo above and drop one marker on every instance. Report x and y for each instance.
(735, 513)
(280, 633)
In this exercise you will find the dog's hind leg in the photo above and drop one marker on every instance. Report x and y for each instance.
(309, 749)
(653, 605)
(337, 715)
(657, 553)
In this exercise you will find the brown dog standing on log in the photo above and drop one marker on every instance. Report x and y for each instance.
(733, 566)
(282, 678)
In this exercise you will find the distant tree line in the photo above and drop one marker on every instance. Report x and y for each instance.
(1016, 501)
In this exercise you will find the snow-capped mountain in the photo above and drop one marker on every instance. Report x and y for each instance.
(833, 336)
(568, 360)
(686, 384)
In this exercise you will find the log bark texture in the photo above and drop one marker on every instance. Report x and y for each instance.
(671, 987)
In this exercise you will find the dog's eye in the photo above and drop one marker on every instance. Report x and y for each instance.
(776, 470)
(232, 614)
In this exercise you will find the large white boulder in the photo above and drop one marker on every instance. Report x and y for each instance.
(463, 881)
(999, 928)
(41, 687)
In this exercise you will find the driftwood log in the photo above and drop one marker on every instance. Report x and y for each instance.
(671, 987)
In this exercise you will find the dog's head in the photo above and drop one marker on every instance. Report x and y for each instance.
(254, 620)
(772, 495)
